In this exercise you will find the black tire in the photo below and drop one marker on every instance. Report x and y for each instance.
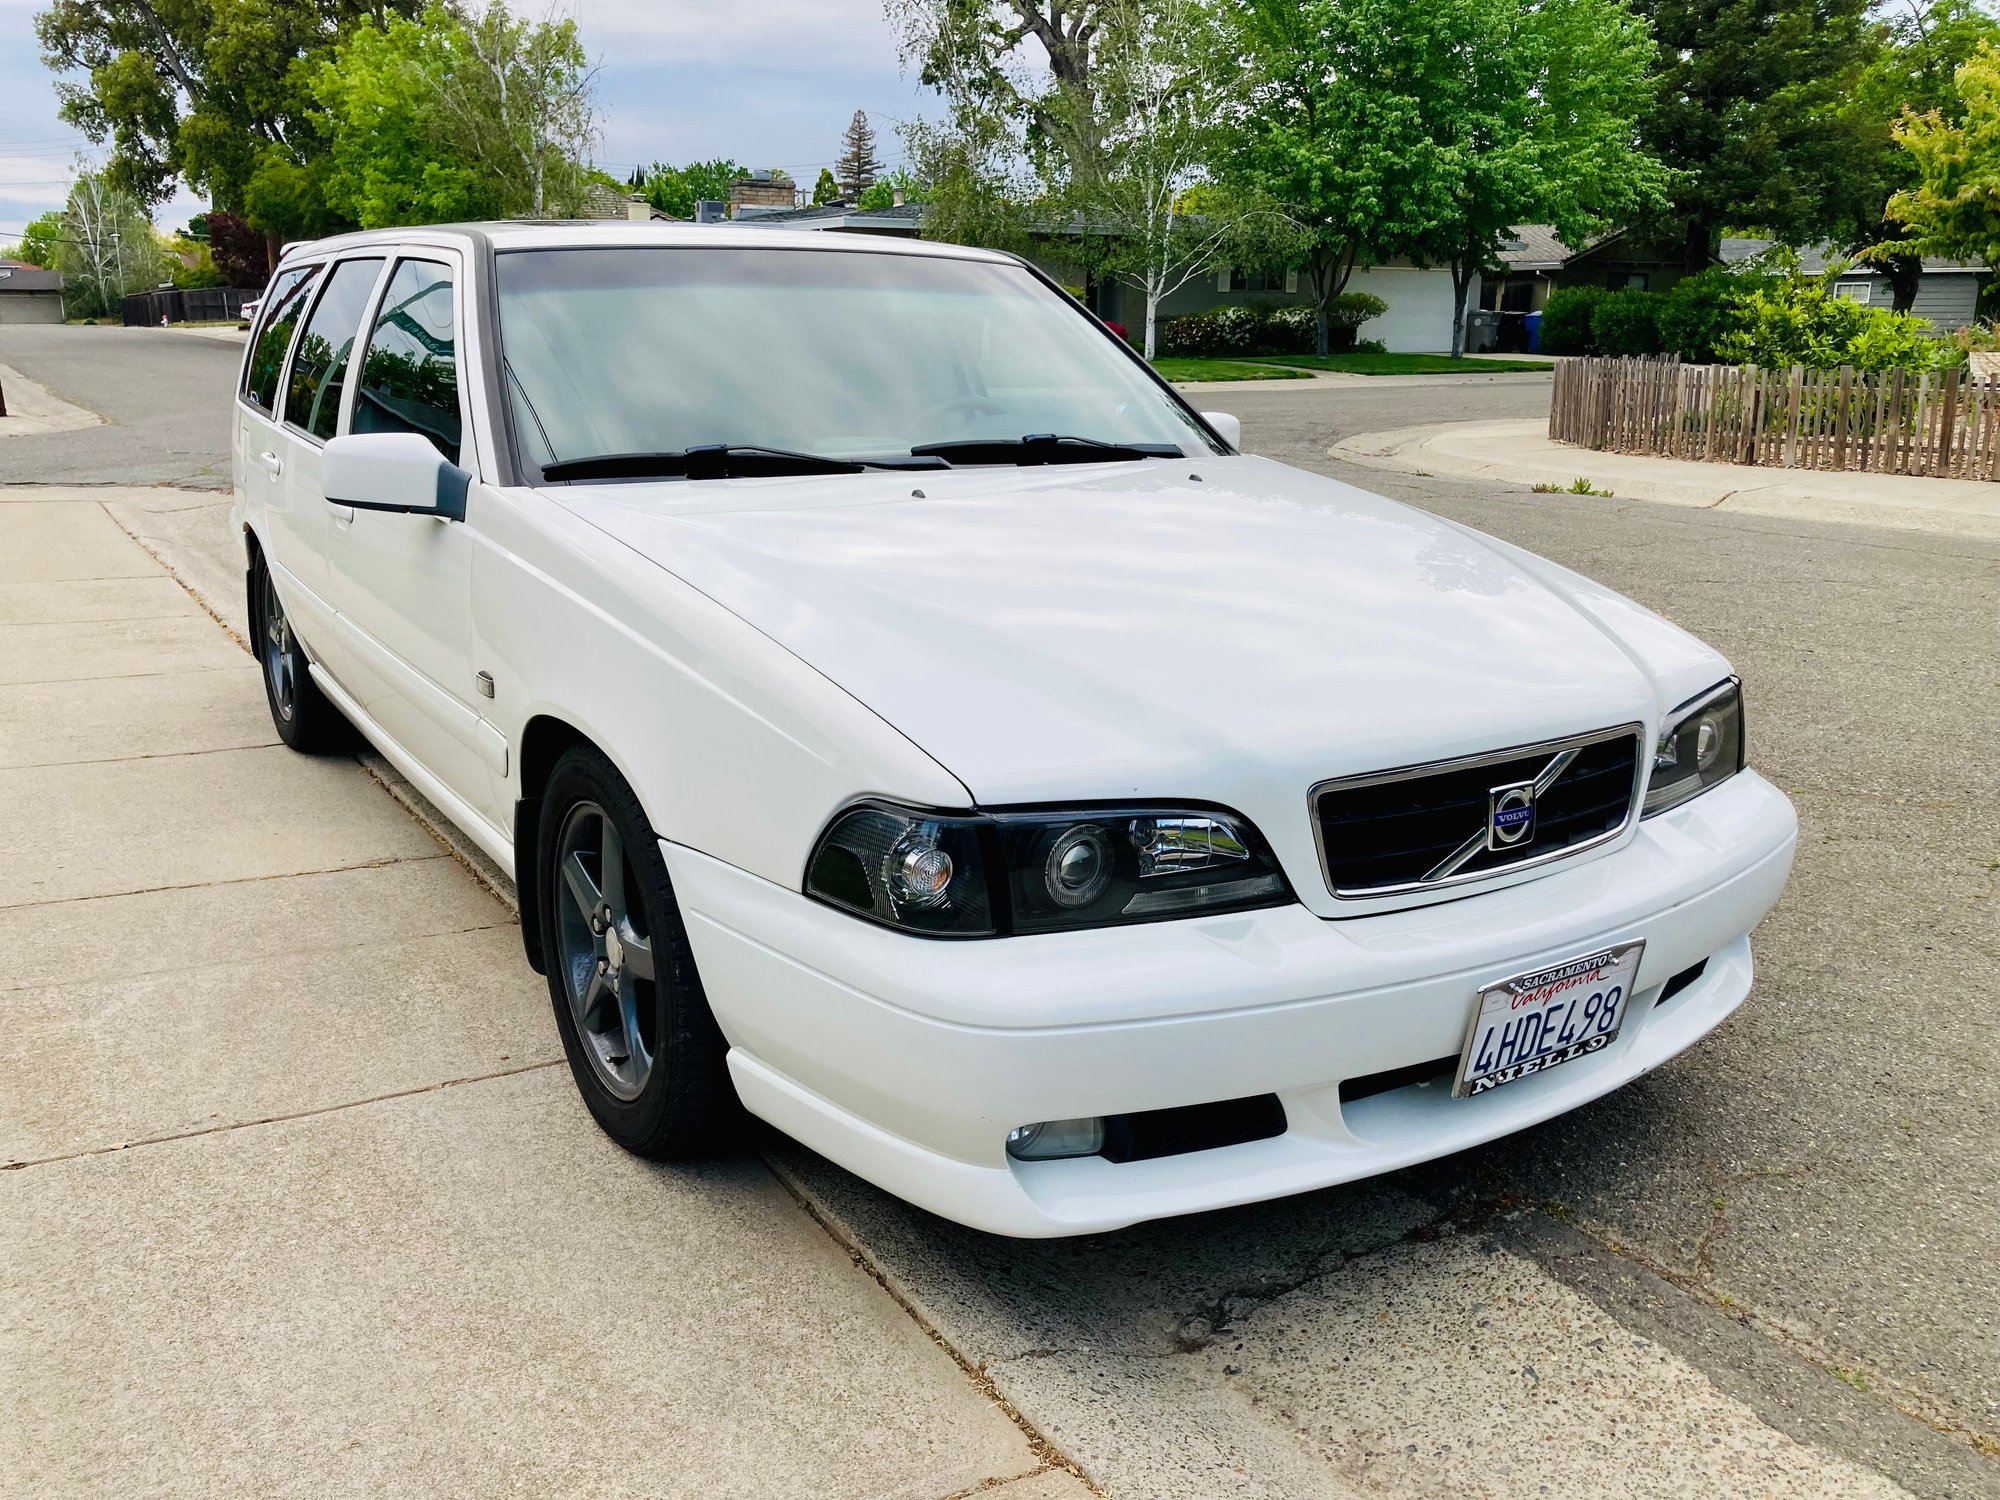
(304, 717)
(644, 1049)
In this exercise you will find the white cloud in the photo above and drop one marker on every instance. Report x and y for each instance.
(825, 34)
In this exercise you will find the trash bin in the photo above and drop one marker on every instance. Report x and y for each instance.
(1482, 331)
(1534, 333)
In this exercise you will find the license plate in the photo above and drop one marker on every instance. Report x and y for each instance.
(1550, 1016)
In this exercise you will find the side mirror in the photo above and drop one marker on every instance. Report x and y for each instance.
(393, 471)
(1228, 427)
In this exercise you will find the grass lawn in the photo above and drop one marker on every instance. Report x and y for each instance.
(1402, 364)
(1221, 369)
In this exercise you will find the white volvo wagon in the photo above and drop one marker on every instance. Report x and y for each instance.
(904, 715)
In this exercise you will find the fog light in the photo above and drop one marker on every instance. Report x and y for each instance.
(1052, 1139)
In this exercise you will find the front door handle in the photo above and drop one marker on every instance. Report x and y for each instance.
(272, 464)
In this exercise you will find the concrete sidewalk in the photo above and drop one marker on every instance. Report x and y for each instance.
(1521, 452)
(297, 1196)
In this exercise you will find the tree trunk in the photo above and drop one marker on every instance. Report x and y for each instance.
(1152, 312)
(1905, 273)
(1461, 284)
(1698, 248)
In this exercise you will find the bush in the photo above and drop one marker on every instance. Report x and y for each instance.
(1344, 316)
(1191, 334)
(1697, 311)
(1236, 329)
(1796, 319)
(1289, 330)
(1370, 346)
(1626, 323)
(1566, 321)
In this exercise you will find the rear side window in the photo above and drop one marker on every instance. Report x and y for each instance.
(282, 303)
(319, 369)
(409, 380)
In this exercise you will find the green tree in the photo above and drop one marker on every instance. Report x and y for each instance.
(858, 166)
(108, 246)
(1531, 115)
(451, 116)
(1747, 114)
(41, 240)
(1334, 133)
(1922, 47)
(1028, 68)
(676, 190)
(883, 190)
(826, 190)
(207, 90)
(1165, 78)
(1954, 207)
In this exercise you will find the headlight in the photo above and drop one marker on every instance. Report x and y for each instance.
(994, 874)
(1701, 744)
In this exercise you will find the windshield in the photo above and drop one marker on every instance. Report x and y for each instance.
(839, 353)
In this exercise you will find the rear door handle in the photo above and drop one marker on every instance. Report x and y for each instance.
(272, 464)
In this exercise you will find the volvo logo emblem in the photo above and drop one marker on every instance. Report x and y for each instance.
(1510, 815)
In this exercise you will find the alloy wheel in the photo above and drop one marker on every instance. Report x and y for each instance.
(605, 951)
(280, 653)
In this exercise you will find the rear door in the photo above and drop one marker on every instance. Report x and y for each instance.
(315, 379)
(402, 584)
(259, 445)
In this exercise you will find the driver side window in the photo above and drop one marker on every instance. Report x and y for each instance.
(409, 379)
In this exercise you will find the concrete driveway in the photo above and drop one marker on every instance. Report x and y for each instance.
(1765, 1270)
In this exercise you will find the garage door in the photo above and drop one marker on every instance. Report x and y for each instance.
(31, 307)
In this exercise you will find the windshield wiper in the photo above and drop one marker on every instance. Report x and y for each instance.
(1043, 448)
(722, 461)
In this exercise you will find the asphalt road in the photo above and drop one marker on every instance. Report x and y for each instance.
(163, 396)
(1805, 1207)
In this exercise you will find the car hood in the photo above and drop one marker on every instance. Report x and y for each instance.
(1222, 629)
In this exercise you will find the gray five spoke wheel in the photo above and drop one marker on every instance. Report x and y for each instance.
(606, 952)
(281, 651)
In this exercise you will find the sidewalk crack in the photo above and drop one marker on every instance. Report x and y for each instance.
(302, 1114)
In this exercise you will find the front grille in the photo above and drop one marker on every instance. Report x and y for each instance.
(1426, 827)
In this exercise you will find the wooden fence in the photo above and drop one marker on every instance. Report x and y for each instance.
(1945, 425)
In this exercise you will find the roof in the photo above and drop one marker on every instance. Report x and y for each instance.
(902, 217)
(1814, 259)
(526, 234)
(1535, 247)
(19, 276)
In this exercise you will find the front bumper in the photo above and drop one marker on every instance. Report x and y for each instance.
(908, 1060)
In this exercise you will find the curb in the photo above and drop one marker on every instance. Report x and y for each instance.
(1521, 453)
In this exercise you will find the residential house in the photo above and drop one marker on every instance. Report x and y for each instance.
(1947, 290)
(28, 294)
(1535, 261)
(1419, 300)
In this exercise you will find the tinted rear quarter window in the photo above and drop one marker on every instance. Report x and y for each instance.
(409, 379)
(282, 303)
(319, 368)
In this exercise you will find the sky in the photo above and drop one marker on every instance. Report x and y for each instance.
(767, 83)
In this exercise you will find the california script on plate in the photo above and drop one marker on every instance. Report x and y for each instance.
(1540, 1020)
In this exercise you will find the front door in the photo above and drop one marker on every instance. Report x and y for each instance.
(402, 584)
